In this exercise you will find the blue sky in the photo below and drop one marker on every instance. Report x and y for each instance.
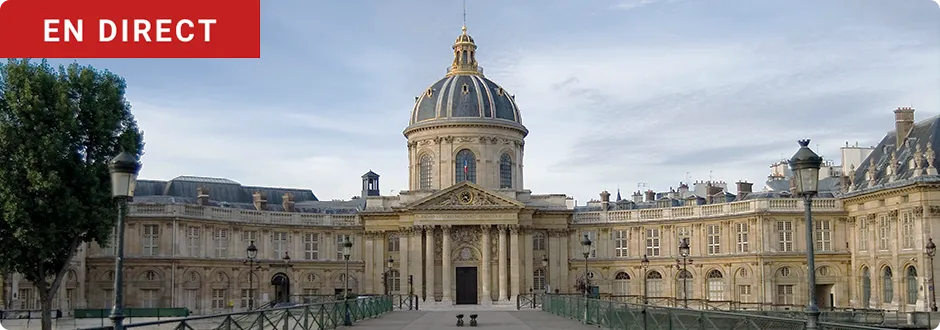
(613, 92)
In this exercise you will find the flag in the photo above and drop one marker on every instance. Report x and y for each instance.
(466, 169)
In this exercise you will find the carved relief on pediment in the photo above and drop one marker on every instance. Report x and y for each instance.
(934, 210)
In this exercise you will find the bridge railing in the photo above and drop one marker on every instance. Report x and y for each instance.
(618, 315)
(315, 316)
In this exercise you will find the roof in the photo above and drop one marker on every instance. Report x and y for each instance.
(874, 172)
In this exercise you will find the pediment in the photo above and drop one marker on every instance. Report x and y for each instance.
(465, 195)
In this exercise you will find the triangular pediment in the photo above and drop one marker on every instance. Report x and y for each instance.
(465, 195)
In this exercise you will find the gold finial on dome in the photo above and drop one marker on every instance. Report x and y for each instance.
(465, 60)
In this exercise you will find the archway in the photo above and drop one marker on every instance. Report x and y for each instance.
(281, 283)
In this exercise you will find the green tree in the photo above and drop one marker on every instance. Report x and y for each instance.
(58, 130)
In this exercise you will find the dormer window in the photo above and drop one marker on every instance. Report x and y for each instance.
(430, 92)
(465, 89)
(499, 91)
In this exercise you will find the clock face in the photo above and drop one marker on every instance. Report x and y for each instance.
(466, 197)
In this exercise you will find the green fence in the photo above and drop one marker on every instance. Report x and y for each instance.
(316, 316)
(617, 315)
(84, 313)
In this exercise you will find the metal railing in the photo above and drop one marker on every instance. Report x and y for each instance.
(618, 315)
(404, 302)
(529, 300)
(316, 316)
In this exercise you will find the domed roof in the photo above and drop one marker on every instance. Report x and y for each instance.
(465, 95)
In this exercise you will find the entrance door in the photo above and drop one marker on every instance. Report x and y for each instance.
(466, 280)
(281, 284)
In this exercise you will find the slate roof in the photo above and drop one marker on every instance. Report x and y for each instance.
(923, 134)
(228, 193)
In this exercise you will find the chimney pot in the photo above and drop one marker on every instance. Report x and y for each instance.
(261, 203)
(202, 196)
(287, 201)
(903, 122)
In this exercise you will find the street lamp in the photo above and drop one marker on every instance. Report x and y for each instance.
(347, 248)
(931, 252)
(124, 168)
(805, 165)
(388, 275)
(646, 264)
(252, 254)
(684, 275)
(547, 286)
(586, 245)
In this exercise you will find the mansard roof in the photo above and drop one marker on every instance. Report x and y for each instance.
(922, 135)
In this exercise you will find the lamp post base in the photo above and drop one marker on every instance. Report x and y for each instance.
(117, 319)
(347, 318)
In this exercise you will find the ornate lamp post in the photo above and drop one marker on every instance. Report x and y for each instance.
(805, 165)
(124, 168)
(931, 252)
(545, 266)
(586, 245)
(388, 275)
(684, 263)
(645, 263)
(347, 249)
(252, 254)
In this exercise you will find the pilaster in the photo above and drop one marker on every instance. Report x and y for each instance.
(501, 259)
(368, 260)
(446, 268)
(515, 253)
(416, 258)
(404, 262)
(429, 259)
(485, 263)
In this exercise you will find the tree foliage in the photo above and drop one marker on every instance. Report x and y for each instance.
(58, 130)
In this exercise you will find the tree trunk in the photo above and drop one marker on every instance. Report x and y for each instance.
(45, 300)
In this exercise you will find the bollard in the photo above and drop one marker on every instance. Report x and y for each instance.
(460, 320)
(473, 320)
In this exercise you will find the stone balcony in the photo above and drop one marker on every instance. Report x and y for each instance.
(225, 214)
(779, 205)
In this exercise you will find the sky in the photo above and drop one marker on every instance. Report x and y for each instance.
(615, 93)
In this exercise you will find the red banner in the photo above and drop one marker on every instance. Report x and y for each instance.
(130, 28)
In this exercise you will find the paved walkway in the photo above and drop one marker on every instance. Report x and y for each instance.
(503, 320)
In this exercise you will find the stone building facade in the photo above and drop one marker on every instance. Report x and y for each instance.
(468, 232)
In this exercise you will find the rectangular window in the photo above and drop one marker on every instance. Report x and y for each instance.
(784, 236)
(744, 293)
(247, 295)
(823, 235)
(69, 298)
(249, 235)
(713, 240)
(312, 246)
(907, 221)
(620, 243)
(108, 299)
(785, 294)
(652, 242)
(862, 233)
(220, 242)
(111, 249)
(149, 298)
(279, 240)
(218, 298)
(883, 235)
(538, 241)
(192, 298)
(192, 238)
(340, 238)
(26, 299)
(393, 244)
(151, 238)
(592, 235)
(740, 229)
(684, 233)
(655, 287)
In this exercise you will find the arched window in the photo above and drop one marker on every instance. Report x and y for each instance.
(911, 285)
(538, 279)
(394, 280)
(505, 171)
(466, 166)
(150, 275)
(654, 282)
(684, 286)
(538, 241)
(622, 284)
(866, 287)
(716, 285)
(424, 172)
(887, 293)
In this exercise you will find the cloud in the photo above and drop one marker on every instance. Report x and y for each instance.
(611, 97)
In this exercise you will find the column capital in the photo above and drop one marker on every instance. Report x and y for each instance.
(446, 228)
(501, 229)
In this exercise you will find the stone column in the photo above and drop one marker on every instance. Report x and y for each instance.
(415, 261)
(516, 263)
(501, 259)
(485, 248)
(446, 269)
(429, 271)
(403, 261)
(369, 256)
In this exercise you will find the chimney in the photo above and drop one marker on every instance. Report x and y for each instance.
(903, 122)
(287, 201)
(605, 200)
(744, 188)
(261, 203)
(637, 197)
(202, 196)
(683, 190)
(650, 195)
